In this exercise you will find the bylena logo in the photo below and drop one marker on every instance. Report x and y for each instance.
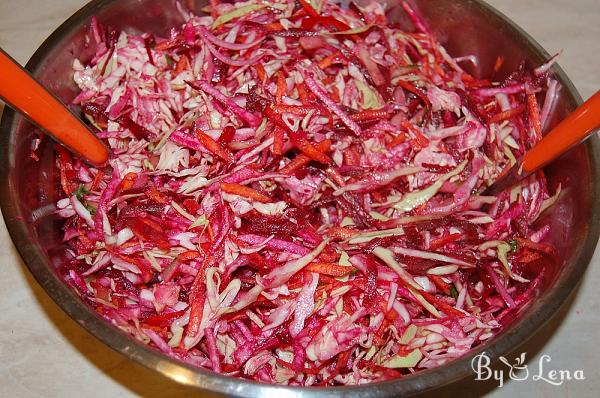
(519, 371)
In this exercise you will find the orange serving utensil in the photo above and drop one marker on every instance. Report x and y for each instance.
(24, 94)
(578, 126)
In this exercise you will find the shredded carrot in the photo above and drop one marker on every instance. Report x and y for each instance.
(214, 147)
(242, 190)
(165, 45)
(440, 284)
(529, 256)
(335, 94)
(156, 196)
(415, 90)
(508, 114)
(542, 247)
(442, 305)
(301, 110)
(499, 63)
(261, 73)
(273, 27)
(128, 181)
(278, 141)
(332, 59)
(188, 255)
(197, 296)
(66, 168)
(369, 114)
(302, 160)
(302, 93)
(281, 88)
(308, 149)
(182, 64)
(197, 303)
(329, 269)
(534, 116)
(97, 180)
(296, 163)
(443, 241)
(351, 156)
(397, 140)
(420, 141)
(213, 8)
(341, 233)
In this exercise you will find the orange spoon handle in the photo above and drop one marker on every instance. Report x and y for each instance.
(23, 93)
(570, 132)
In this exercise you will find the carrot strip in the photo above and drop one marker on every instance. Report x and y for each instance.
(303, 93)
(329, 269)
(397, 140)
(281, 88)
(542, 247)
(66, 167)
(97, 180)
(197, 297)
(415, 90)
(166, 45)
(242, 190)
(507, 115)
(278, 139)
(445, 307)
(369, 115)
(128, 181)
(440, 284)
(498, 64)
(182, 64)
(332, 59)
(301, 110)
(341, 233)
(529, 256)
(213, 8)
(351, 156)
(296, 163)
(214, 147)
(156, 196)
(420, 141)
(273, 27)
(188, 255)
(302, 160)
(261, 73)
(441, 242)
(299, 140)
(534, 115)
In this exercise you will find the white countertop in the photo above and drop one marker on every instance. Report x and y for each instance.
(43, 353)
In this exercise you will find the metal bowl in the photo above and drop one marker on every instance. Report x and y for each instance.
(29, 189)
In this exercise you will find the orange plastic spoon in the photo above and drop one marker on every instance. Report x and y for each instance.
(578, 126)
(24, 94)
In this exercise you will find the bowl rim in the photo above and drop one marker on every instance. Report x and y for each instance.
(203, 379)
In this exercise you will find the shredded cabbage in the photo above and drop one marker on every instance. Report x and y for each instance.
(293, 193)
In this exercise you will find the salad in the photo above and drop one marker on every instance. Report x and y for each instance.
(294, 195)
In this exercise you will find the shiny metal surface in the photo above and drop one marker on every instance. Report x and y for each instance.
(466, 27)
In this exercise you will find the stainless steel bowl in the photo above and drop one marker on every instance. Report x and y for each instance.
(28, 189)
